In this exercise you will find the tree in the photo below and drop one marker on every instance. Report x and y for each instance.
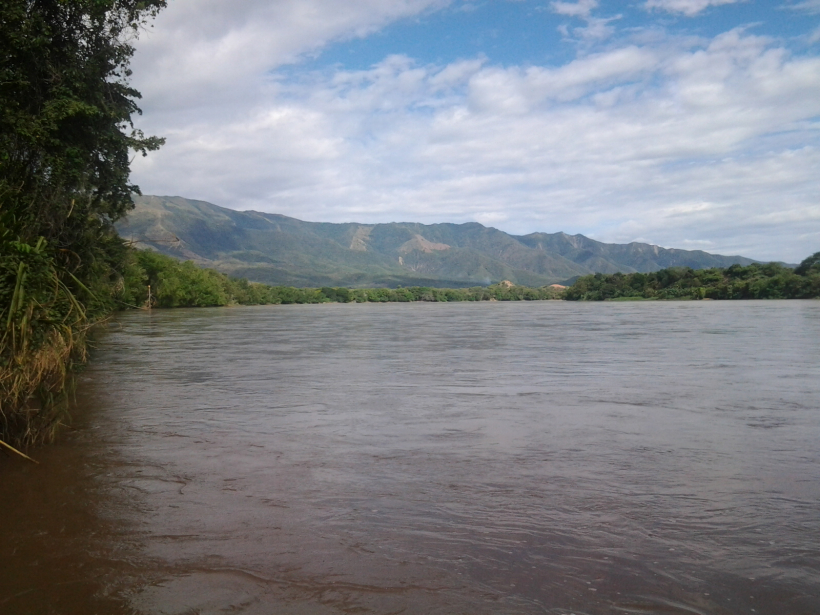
(812, 263)
(66, 137)
(66, 110)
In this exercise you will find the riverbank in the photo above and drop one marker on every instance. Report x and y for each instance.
(45, 337)
(756, 281)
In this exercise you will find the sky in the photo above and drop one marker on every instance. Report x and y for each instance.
(690, 124)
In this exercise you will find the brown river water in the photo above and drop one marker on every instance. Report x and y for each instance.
(543, 457)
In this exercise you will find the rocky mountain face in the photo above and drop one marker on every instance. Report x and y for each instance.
(276, 249)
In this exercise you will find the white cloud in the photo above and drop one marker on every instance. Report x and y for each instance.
(807, 6)
(581, 8)
(213, 49)
(690, 8)
(596, 28)
(668, 140)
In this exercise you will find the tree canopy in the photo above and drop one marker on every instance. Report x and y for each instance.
(756, 281)
(66, 128)
(809, 265)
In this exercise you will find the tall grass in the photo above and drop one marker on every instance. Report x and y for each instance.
(43, 337)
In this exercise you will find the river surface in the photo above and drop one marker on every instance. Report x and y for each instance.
(544, 457)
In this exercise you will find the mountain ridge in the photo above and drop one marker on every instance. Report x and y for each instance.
(278, 249)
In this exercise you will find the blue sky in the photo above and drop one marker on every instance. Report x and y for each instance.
(684, 123)
(530, 32)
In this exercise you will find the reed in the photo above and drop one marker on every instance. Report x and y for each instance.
(43, 338)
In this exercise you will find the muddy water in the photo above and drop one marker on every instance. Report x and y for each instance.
(495, 458)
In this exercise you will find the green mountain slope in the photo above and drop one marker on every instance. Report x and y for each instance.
(276, 249)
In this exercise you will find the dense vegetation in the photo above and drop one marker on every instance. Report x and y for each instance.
(756, 281)
(183, 284)
(66, 138)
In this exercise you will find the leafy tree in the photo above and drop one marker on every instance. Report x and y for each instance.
(809, 265)
(755, 281)
(66, 126)
(66, 136)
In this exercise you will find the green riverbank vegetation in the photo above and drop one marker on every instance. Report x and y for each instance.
(756, 281)
(183, 284)
(66, 140)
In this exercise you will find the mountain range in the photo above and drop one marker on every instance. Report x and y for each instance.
(277, 249)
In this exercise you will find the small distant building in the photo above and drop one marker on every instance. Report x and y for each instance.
(558, 286)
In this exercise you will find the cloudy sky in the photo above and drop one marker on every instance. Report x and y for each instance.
(683, 123)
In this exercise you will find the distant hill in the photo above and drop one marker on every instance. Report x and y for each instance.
(276, 249)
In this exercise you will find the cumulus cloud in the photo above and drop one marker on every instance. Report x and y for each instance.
(690, 8)
(214, 49)
(703, 143)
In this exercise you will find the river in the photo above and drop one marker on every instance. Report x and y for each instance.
(543, 457)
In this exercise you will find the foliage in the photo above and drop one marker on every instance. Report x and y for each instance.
(810, 265)
(65, 140)
(64, 106)
(756, 281)
(495, 292)
(44, 327)
(183, 284)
